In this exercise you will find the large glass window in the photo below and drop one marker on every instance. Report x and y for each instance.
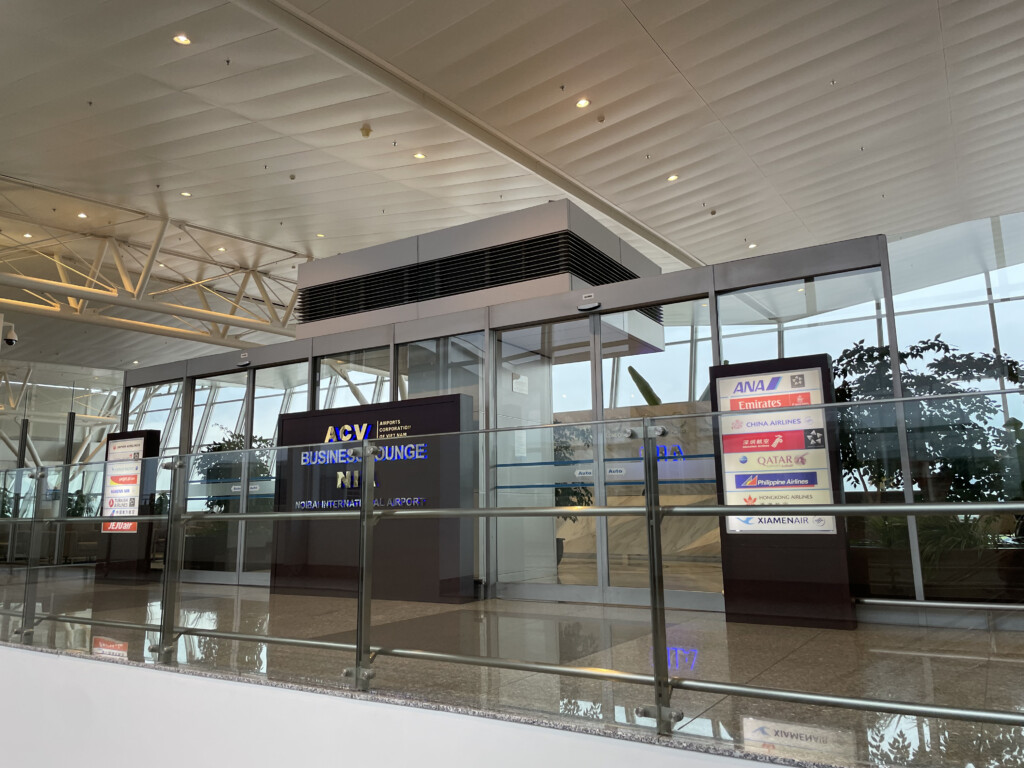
(280, 389)
(360, 377)
(219, 415)
(158, 406)
(443, 366)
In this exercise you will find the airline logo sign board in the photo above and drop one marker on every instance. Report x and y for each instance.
(122, 484)
(774, 459)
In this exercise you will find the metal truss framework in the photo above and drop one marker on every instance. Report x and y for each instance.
(91, 273)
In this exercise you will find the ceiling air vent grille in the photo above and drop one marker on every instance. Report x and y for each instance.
(554, 254)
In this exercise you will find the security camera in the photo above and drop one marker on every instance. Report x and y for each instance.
(10, 338)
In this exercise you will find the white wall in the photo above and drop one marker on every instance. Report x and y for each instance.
(63, 710)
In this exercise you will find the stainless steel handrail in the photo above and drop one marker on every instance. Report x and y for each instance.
(846, 702)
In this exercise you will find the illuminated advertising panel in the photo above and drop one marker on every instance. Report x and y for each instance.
(773, 452)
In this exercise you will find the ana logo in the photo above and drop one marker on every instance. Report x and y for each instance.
(757, 385)
(750, 500)
(743, 459)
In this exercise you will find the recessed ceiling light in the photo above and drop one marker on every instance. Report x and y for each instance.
(799, 290)
(222, 249)
(318, 234)
(135, 362)
(583, 103)
(752, 245)
(186, 194)
(82, 216)
(182, 39)
(673, 177)
(161, 265)
(27, 235)
(420, 156)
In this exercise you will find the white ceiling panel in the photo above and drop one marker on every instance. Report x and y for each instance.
(789, 118)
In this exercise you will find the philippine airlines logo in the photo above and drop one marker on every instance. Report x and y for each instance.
(778, 480)
(756, 385)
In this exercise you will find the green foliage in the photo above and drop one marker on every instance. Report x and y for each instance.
(79, 506)
(645, 389)
(957, 453)
(213, 465)
(566, 439)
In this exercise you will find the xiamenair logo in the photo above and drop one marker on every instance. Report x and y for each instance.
(756, 385)
(746, 520)
(778, 480)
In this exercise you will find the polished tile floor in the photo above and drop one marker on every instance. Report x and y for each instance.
(954, 666)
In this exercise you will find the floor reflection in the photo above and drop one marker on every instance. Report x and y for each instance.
(955, 666)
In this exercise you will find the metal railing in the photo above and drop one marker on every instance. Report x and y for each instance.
(179, 518)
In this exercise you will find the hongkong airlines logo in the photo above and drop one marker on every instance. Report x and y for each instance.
(750, 500)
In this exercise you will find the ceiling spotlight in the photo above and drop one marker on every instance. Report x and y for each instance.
(583, 103)
(186, 194)
(799, 290)
(318, 234)
(182, 39)
(82, 216)
(673, 177)
(222, 249)
(752, 245)
(420, 156)
(27, 235)
(135, 362)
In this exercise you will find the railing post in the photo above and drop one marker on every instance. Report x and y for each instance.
(174, 553)
(35, 547)
(362, 673)
(661, 712)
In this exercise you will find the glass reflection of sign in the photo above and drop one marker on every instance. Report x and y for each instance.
(122, 483)
(775, 459)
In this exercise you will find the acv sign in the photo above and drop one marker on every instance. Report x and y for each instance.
(347, 432)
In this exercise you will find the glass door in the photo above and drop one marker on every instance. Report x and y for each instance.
(654, 365)
(215, 482)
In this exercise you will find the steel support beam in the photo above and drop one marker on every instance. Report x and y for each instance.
(147, 305)
(42, 310)
(147, 268)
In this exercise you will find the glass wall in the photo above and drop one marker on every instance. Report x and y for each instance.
(957, 295)
(361, 377)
